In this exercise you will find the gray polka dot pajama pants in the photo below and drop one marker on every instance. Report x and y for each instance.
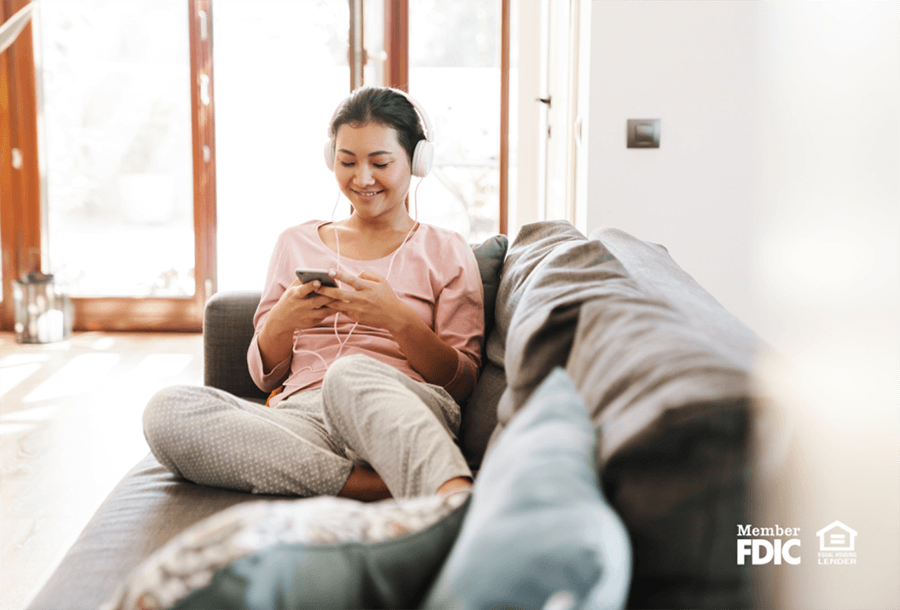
(366, 413)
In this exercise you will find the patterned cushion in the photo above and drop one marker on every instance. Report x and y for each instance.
(408, 539)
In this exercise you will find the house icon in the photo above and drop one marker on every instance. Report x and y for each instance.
(837, 537)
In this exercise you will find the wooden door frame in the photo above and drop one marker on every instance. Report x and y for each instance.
(20, 192)
(505, 32)
(396, 43)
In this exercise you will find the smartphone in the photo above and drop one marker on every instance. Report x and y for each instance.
(308, 275)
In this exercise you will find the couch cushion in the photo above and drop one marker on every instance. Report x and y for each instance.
(539, 533)
(534, 243)
(322, 552)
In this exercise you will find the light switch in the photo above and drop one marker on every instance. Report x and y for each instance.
(643, 133)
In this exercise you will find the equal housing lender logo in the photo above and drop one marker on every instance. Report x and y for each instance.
(837, 545)
(782, 545)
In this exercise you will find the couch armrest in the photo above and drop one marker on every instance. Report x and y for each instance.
(227, 332)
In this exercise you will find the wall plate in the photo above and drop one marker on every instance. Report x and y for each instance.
(643, 133)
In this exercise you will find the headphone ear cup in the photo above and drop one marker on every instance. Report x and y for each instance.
(329, 155)
(423, 155)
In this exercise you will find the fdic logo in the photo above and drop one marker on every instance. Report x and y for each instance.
(752, 543)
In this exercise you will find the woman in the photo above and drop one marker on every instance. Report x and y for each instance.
(365, 376)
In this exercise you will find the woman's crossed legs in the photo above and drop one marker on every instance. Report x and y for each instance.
(318, 442)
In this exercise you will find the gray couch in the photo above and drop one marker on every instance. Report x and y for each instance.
(663, 369)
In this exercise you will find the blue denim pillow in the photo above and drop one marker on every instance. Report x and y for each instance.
(538, 528)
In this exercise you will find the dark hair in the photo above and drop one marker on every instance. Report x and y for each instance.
(383, 106)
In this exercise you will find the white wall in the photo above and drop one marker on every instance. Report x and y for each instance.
(694, 66)
(777, 186)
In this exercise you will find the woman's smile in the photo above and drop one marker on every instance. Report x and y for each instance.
(367, 193)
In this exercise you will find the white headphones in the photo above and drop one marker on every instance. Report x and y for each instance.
(423, 155)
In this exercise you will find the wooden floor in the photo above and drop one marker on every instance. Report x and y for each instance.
(70, 428)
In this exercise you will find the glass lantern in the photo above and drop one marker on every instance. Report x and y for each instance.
(43, 313)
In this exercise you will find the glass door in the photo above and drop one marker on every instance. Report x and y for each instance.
(115, 84)
(118, 139)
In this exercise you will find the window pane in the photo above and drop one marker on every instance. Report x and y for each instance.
(280, 72)
(373, 34)
(458, 83)
(116, 137)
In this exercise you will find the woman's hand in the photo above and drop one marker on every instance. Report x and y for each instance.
(300, 307)
(371, 301)
(297, 309)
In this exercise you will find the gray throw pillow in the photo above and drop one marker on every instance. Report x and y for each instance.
(490, 254)
(539, 533)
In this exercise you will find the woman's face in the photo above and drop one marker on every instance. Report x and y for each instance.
(372, 169)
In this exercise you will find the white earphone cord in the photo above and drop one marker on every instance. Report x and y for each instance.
(337, 243)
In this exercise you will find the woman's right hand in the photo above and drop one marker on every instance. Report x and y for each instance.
(297, 309)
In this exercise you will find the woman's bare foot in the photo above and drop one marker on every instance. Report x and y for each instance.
(454, 484)
(364, 484)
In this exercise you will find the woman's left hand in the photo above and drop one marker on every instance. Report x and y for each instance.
(371, 301)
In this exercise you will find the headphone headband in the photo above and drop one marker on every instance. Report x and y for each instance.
(423, 154)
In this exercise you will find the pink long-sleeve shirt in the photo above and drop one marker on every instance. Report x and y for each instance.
(435, 273)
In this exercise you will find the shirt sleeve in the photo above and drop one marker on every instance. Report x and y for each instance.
(459, 315)
(275, 287)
